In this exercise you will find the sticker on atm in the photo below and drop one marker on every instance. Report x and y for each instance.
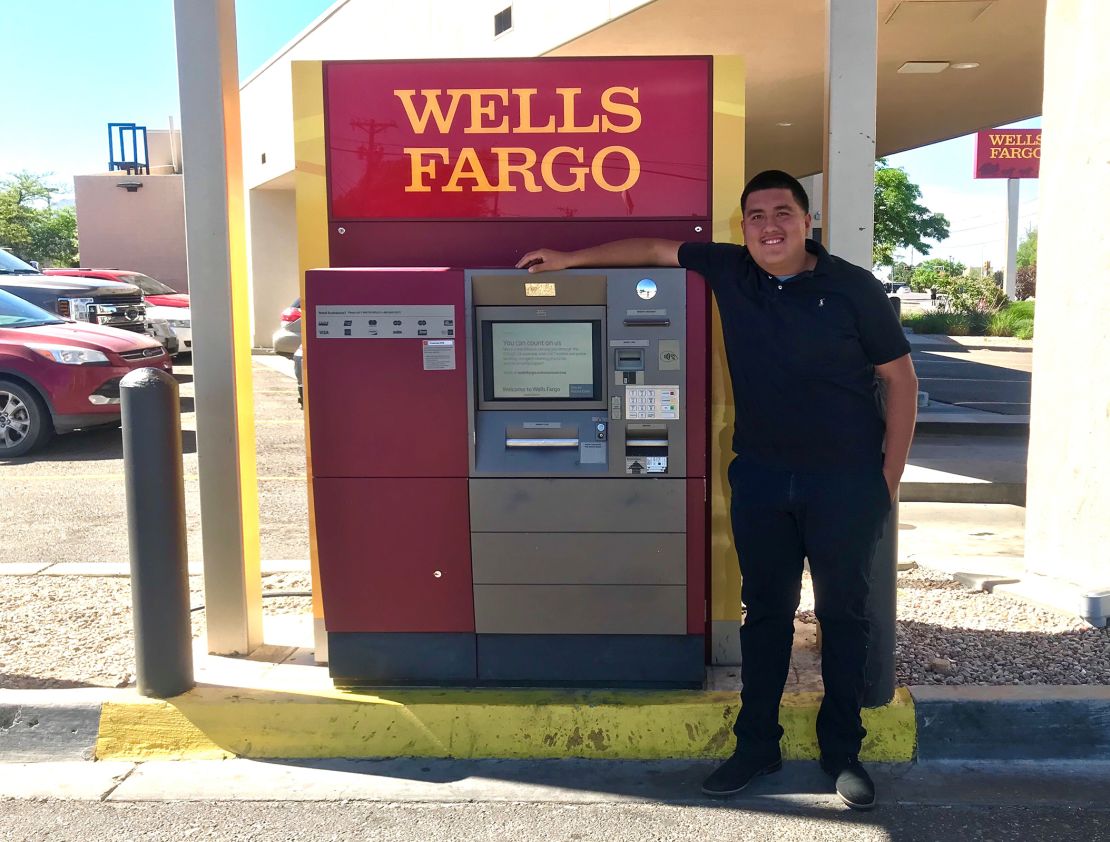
(439, 354)
(645, 465)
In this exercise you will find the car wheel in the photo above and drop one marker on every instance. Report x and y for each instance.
(24, 420)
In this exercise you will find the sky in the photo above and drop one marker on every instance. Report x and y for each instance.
(73, 66)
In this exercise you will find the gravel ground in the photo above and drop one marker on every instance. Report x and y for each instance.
(75, 631)
(948, 634)
(58, 631)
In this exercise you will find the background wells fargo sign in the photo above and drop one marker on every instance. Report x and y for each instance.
(1008, 153)
(518, 138)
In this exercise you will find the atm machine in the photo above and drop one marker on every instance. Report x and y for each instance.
(509, 475)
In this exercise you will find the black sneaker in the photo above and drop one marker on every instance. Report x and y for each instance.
(853, 784)
(739, 771)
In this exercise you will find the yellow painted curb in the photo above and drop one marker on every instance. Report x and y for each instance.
(211, 722)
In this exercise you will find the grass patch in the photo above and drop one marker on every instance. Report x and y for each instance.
(1015, 319)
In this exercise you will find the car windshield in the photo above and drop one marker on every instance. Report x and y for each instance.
(15, 312)
(12, 265)
(147, 284)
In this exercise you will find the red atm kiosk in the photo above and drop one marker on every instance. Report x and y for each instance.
(509, 470)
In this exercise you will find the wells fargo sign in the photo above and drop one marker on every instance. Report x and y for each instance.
(1008, 153)
(528, 138)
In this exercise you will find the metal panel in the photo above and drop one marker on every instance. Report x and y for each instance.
(378, 408)
(560, 289)
(697, 558)
(579, 559)
(360, 658)
(493, 242)
(586, 660)
(577, 505)
(580, 609)
(394, 555)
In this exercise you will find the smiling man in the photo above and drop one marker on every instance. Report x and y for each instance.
(818, 461)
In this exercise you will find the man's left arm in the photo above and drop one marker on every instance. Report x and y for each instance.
(900, 383)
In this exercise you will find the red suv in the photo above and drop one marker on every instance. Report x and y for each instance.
(57, 376)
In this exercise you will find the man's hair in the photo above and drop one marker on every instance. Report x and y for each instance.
(775, 180)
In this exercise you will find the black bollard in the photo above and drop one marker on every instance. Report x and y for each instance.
(882, 610)
(156, 532)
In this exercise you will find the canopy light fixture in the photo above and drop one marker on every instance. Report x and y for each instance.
(130, 186)
(965, 65)
(924, 67)
(784, 124)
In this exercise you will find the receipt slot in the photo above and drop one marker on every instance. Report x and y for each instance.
(509, 475)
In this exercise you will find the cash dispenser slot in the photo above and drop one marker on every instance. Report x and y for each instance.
(646, 448)
(647, 321)
(522, 436)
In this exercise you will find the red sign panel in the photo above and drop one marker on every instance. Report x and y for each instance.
(1008, 153)
(519, 138)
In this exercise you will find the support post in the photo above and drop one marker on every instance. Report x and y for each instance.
(1013, 193)
(211, 141)
(155, 489)
(851, 96)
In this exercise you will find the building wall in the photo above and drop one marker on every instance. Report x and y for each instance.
(1068, 509)
(273, 259)
(142, 231)
(164, 151)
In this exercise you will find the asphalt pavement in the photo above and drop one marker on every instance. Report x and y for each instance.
(433, 800)
(984, 373)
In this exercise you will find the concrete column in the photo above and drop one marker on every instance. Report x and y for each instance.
(814, 186)
(1068, 508)
(273, 250)
(1013, 193)
(851, 87)
(851, 55)
(208, 79)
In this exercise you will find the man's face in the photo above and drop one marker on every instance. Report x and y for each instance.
(775, 228)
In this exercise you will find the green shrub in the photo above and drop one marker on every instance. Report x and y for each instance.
(1014, 320)
(948, 324)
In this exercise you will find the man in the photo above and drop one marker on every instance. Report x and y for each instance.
(816, 464)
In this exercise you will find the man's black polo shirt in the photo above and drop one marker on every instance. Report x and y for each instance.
(802, 354)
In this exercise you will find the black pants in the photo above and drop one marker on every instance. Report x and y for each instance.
(779, 518)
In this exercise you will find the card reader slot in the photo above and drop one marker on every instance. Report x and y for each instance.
(647, 321)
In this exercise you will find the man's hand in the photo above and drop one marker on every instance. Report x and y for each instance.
(893, 477)
(544, 260)
(901, 414)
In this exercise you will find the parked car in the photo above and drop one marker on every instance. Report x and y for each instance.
(162, 300)
(161, 330)
(57, 375)
(298, 368)
(92, 300)
(287, 338)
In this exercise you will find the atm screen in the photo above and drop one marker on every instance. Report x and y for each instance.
(542, 360)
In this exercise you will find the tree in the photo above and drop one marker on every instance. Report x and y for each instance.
(31, 227)
(902, 273)
(900, 221)
(1027, 250)
(1026, 282)
(935, 273)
